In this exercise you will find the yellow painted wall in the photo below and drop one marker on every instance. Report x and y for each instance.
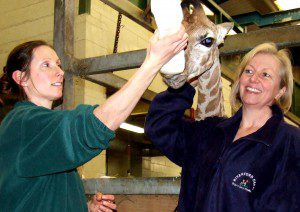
(159, 166)
(23, 20)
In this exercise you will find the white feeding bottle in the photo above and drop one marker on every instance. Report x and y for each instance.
(168, 17)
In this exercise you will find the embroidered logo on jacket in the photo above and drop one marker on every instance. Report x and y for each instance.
(244, 181)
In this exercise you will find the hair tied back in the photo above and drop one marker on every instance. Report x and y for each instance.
(5, 70)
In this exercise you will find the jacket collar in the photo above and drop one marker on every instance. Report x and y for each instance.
(265, 134)
(25, 102)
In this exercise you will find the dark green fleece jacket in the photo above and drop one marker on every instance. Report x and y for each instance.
(40, 150)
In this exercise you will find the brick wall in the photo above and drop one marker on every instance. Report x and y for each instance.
(159, 167)
(22, 21)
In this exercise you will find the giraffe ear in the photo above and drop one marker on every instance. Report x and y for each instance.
(223, 29)
(186, 16)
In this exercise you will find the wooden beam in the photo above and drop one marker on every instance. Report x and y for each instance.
(129, 10)
(264, 6)
(64, 45)
(293, 118)
(113, 62)
(241, 43)
(64, 28)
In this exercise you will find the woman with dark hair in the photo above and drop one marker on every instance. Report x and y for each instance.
(249, 162)
(41, 148)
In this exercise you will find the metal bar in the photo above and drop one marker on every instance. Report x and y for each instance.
(64, 45)
(268, 19)
(130, 10)
(243, 42)
(163, 185)
(264, 6)
(113, 62)
(293, 118)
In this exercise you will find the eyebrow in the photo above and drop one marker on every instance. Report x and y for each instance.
(202, 37)
(248, 65)
(255, 69)
(47, 58)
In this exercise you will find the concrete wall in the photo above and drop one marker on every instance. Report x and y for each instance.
(159, 167)
(23, 20)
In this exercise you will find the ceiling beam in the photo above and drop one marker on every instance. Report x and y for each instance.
(129, 10)
(268, 19)
(264, 6)
(241, 43)
(212, 5)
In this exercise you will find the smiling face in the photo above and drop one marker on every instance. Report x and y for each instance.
(45, 82)
(260, 82)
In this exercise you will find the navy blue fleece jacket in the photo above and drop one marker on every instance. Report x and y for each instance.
(258, 172)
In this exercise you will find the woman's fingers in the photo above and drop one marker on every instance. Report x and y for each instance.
(108, 197)
(102, 208)
(109, 205)
(103, 202)
(180, 45)
(98, 196)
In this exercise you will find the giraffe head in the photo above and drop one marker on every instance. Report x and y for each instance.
(204, 39)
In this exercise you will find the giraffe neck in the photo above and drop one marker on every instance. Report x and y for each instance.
(210, 97)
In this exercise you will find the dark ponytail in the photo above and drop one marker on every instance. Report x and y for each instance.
(19, 59)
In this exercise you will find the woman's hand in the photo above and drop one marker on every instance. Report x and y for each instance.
(160, 51)
(102, 203)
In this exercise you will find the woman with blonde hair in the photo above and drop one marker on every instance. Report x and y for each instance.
(249, 162)
(285, 72)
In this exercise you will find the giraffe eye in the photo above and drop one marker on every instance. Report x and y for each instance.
(208, 42)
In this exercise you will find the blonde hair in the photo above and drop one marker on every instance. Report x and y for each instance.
(285, 73)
